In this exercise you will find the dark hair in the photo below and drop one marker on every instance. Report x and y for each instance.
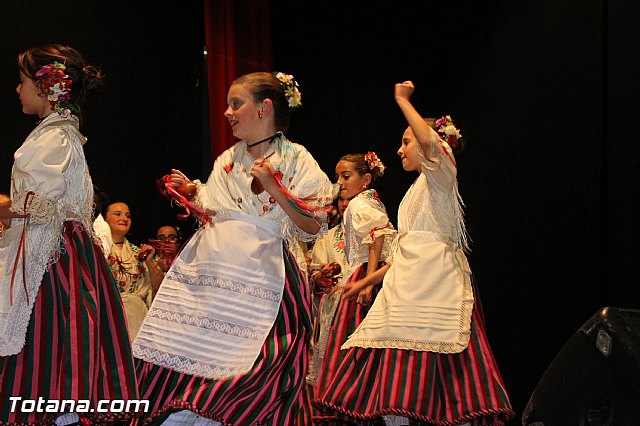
(100, 199)
(85, 77)
(361, 165)
(106, 206)
(333, 216)
(176, 227)
(263, 85)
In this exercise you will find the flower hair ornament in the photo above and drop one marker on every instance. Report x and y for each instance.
(376, 166)
(56, 85)
(290, 87)
(449, 132)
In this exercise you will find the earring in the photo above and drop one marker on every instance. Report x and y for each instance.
(260, 115)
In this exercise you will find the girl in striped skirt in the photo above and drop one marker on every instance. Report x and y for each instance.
(63, 334)
(226, 339)
(367, 237)
(421, 355)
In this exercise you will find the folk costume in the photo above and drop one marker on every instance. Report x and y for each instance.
(327, 249)
(365, 219)
(63, 333)
(227, 335)
(134, 283)
(422, 351)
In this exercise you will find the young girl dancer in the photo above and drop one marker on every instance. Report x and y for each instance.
(63, 334)
(421, 355)
(367, 234)
(226, 339)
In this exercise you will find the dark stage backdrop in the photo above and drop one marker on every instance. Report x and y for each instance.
(546, 94)
(149, 116)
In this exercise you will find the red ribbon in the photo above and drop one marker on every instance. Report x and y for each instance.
(298, 203)
(166, 188)
(158, 246)
(22, 250)
(442, 142)
(378, 228)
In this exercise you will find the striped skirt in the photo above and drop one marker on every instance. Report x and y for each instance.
(77, 346)
(272, 393)
(427, 387)
(348, 317)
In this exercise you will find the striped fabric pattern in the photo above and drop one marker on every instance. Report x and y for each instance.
(77, 346)
(347, 318)
(272, 393)
(430, 388)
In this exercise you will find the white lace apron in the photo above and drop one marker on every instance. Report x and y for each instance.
(218, 301)
(425, 302)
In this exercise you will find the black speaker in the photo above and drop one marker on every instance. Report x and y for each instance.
(595, 378)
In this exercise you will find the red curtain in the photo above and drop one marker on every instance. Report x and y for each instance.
(229, 24)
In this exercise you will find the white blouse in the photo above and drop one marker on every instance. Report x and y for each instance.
(366, 219)
(50, 183)
(229, 186)
(222, 294)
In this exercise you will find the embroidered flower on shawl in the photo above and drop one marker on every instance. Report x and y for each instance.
(56, 85)
(228, 168)
(126, 270)
(290, 87)
(375, 165)
(371, 194)
(448, 131)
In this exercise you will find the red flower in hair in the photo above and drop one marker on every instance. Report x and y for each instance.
(376, 166)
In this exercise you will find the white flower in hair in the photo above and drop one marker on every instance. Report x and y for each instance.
(451, 130)
(290, 87)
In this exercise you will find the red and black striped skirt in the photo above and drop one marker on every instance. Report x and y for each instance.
(77, 346)
(273, 392)
(347, 318)
(429, 388)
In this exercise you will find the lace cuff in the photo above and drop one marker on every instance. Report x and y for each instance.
(39, 209)
(377, 232)
(291, 231)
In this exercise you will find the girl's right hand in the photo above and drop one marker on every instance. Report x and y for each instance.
(404, 90)
(177, 178)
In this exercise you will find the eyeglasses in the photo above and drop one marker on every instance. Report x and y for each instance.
(170, 238)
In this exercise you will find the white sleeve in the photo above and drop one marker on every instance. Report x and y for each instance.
(367, 221)
(102, 230)
(440, 165)
(38, 180)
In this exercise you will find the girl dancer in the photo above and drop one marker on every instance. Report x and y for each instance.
(421, 355)
(367, 235)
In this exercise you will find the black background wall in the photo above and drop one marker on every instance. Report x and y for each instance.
(149, 116)
(546, 94)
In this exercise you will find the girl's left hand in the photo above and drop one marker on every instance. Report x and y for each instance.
(364, 297)
(146, 252)
(263, 171)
